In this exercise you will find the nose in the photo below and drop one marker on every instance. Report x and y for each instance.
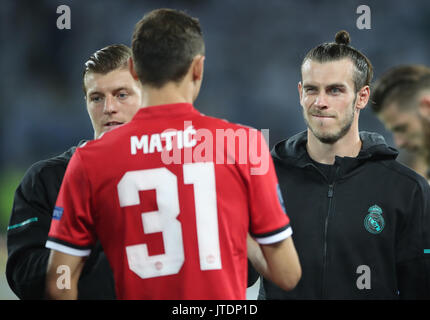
(400, 141)
(321, 100)
(109, 106)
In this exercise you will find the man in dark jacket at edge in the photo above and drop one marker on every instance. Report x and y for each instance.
(361, 219)
(112, 98)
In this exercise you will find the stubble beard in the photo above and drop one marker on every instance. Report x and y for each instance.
(331, 138)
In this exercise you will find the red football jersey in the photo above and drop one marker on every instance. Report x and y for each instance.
(171, 196)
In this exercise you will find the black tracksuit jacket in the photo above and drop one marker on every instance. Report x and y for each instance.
(28, 230)
(375, 212)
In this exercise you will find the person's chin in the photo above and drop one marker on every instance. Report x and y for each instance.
(325, 136)
(106, 129)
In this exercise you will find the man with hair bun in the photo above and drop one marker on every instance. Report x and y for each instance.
(401, 100)
(361, 219)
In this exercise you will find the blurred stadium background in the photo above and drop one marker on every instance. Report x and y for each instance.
(254, 50)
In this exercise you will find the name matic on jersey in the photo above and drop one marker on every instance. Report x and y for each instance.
(198, 146)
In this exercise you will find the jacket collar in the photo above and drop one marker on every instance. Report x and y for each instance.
(293, 151)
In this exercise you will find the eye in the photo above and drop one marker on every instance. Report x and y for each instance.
(310, 90)
(122, 95)
(402, 128)
(335, 90)
(95, 98)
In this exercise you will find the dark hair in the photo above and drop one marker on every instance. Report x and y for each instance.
(164, 43)
(340, 49)
(106, 60)
(398, 84)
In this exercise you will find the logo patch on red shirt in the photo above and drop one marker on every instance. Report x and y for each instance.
(58, 213)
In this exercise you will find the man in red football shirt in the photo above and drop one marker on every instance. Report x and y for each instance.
(171, 195)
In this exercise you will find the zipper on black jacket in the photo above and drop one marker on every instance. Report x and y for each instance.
(330, 197)
(330, 194)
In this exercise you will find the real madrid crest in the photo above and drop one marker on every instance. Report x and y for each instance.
(374, 222)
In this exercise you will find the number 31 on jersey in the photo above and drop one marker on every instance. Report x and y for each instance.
(165, 183)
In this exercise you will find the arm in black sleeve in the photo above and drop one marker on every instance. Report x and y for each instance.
(413, 263)
(28, 231)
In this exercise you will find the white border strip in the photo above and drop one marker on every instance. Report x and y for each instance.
(65, 249)
(276, 237)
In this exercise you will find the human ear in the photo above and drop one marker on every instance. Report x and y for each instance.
(132, 69)
(363, 97)
(198, 67)
(424, 107)
(299, 88)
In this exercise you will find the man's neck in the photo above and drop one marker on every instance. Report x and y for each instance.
(168, 94)
(347, 146)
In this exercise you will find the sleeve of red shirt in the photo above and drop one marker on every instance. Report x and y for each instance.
(71, 229)
(269, 222)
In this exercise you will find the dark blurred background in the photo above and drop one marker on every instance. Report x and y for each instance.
(254, 50)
